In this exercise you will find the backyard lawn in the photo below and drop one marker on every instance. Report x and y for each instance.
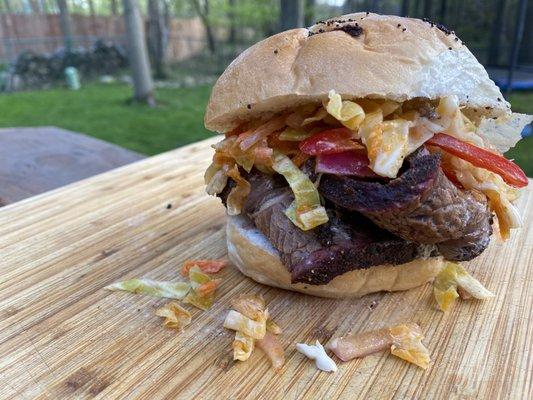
(101, 111)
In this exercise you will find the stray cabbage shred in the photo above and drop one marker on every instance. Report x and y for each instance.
(453, 277)
(306, 212)
(405, 341)
(203, 288)
(164, 289)
(250, 320)
(176, 317)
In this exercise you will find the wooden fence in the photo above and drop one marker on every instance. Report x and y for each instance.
(42, 34)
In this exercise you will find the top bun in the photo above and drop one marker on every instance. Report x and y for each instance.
(358, 55)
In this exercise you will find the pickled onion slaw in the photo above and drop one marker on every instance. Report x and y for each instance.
(176, 317)
(250, 320)
(404, 340)
(452, 278)
(389, 131)
(150, 287)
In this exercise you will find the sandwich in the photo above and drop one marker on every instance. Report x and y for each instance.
(361, 155)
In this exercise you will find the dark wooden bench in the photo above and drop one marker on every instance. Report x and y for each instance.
(35, 160)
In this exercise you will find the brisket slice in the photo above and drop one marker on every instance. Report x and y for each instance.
(421, 205)
(318, 255)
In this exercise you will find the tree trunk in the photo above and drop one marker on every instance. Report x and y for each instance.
(405, 8)
(526, 55)
(496, 34)
(92, 13)
(8, 8)
(115, 13)
(349, 6)
(232, 38)
(204, 16)
(114, 8)
(443, 11)
(427, 9)
(309, 12)
(291, 14)
(157, 38)
(64, 21)
(140, 65)
(35, 7)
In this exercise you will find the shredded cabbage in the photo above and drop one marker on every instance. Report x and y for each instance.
(499, 193)
(293, 135)
(239, 322)
(176, 317)
(387, 144)
(216, 180)
(307, 212)
(503, 132)
(407, 344)
(169, 290)
(239, 193)
(207, 266)
(452, 277)
(203, 290)
(250, 305)
(349, 113)
(272, 327)
(243, 345)
(319, 115)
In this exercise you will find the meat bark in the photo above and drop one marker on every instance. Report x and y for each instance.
(318, 255)
(421, 205)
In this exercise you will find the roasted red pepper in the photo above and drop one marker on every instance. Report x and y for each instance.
(331, 141)
(508, 170)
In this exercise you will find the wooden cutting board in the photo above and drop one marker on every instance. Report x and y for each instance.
(62, 336)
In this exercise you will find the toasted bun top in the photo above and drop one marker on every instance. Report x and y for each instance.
(357, 55)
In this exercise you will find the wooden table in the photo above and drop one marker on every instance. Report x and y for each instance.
(35, 160)
(62, 336)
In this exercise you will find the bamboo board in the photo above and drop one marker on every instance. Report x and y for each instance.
(62, 336)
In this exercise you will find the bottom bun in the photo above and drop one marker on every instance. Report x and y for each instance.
(256, 258)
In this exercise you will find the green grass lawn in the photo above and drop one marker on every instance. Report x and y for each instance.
(102, 111)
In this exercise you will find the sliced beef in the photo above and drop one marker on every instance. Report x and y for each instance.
(421, 205)
(317, 256)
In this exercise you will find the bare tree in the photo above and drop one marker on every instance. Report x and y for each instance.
(309, 12)
(232, 23)
(496, 33)
(427, 9)
(203, 13)
(140, 65)
(291, 14)
(64, 21)
(36, 7)
(349, 6)
(443, 11)
(157, 38)
(92, 13)
(405, 8)
(7, 6)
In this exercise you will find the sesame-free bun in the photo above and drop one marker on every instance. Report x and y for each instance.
(252, 253)
(391, 57)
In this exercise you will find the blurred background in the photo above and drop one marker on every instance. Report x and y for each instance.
(138, 73)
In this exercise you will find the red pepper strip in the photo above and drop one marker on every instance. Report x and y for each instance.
(329, 142)
(508, 170)
(346, 163)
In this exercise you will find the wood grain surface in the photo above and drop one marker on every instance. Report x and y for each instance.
(62, 336)
(35, 160)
